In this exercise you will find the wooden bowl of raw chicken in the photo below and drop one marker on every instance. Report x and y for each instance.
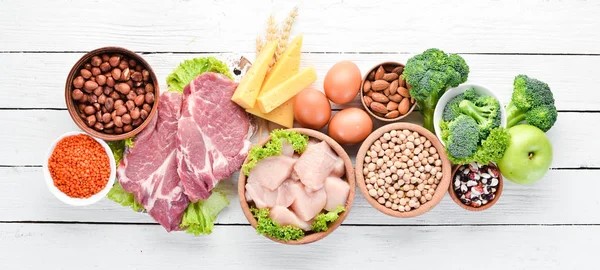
(348, 176)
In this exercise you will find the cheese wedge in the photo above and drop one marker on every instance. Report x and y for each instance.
(249, 87)
(286, 67)
(282, 115)
(286, 90)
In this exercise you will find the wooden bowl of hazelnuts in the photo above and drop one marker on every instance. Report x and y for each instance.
(112, 93)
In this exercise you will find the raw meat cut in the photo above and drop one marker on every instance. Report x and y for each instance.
(306, 205)
(149, 170)
(337, 192)
(315, 164)
(272, 171)
(263, 197)
(284, 216)
(212, 132)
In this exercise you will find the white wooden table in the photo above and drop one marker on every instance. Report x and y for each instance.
(554, 224)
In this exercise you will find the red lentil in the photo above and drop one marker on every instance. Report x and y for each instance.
(79, 166)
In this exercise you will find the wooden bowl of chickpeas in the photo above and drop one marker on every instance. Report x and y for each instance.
(402, 170)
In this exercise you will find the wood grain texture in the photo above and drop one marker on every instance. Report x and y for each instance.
(553, 224)
(509, 26)
(32, 131)
(24, 86)
(235, 247)
(548, 202)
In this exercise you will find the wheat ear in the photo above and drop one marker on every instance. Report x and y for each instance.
(284, 33)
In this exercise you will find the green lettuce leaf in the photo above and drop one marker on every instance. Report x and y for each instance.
(322, 221)
(190, 69)
(199, 218)
(268, 227)
(117, 193)
(274, 147)
(124, 198)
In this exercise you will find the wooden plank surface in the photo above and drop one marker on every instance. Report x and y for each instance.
(24, 86)
(32, 131)
(473, 26)
(553, 224)
(73, 246)
(548, 202)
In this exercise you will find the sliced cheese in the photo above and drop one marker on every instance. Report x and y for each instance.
(287, 65)
(249, 87)
(282, 115)
(286, 90)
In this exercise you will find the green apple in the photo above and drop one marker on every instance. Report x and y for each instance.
(528, 156)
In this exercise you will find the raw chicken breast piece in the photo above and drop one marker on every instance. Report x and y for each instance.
(287, 149)
(263, 197)
(284, 216)
(339, 168)
(337, 191)
(315, 164)
(272, 171)
(307, 204)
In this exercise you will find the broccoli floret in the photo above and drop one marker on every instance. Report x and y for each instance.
(470, 94)
(491, 149)
(451, 110)
(429, 75)
(542, 116)
(486, 112)
(532, 101)
(462, 137)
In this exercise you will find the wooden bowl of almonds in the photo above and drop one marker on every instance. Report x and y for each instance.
(384, 92)
(402, 170)
(476, 187)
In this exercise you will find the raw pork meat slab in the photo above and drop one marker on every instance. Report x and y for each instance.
(212, 133)
(149, 169)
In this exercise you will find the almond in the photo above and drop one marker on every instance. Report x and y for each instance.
(404, 92)
(367, 100)
(367, 86)
(402, 82)
(378, 107)
(396, 98)
(393, 87)
(404, 106)
(379, 85)
(392, 106)
(386, 91)
(379, 73)
(379, 97)
(390, 77)
(371, 76)
(398, 70)
(392, 114)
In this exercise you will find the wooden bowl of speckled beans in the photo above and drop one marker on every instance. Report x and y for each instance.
(486, 206)
(441, 179)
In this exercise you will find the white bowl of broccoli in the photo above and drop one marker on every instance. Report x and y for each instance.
(467, 101)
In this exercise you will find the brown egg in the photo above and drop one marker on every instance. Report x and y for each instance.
(350, 126)
(342, 82)
(311, 109)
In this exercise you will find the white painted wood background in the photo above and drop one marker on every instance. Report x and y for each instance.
(554, 224)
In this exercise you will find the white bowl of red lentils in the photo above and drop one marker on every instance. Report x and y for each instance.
(79, 169)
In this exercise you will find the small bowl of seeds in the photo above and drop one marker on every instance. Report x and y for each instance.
(476, 187)
(402, 170)
(384, 92)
